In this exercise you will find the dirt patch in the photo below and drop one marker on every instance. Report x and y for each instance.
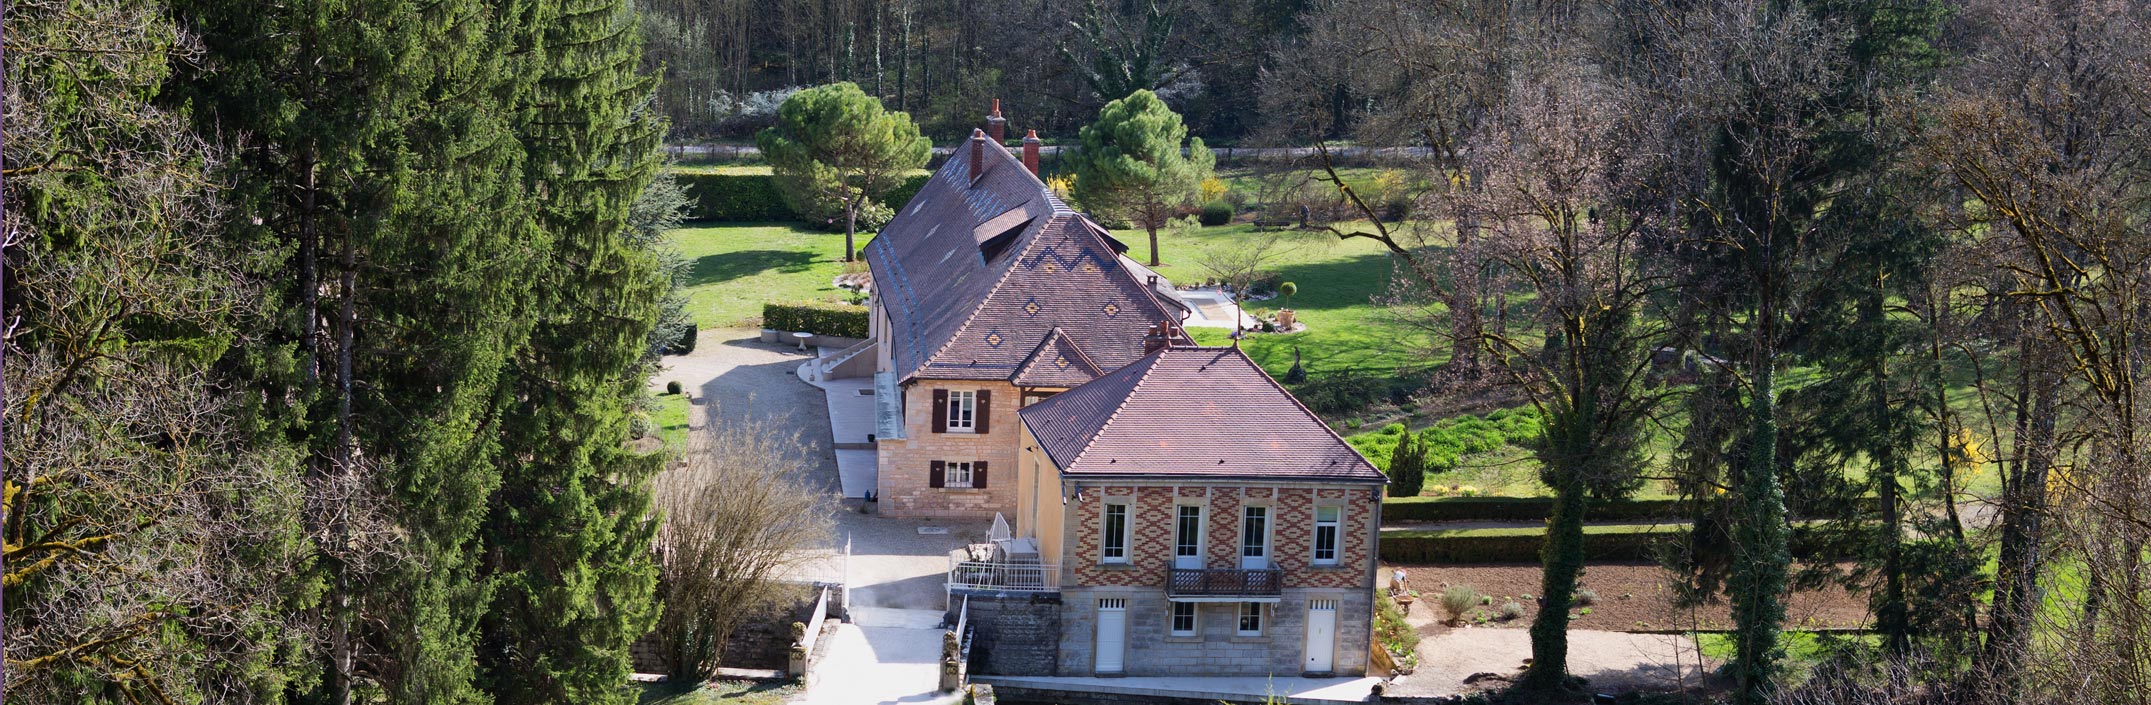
(1631, 597)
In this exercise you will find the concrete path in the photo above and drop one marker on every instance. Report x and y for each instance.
(849, 407)
(882, 656)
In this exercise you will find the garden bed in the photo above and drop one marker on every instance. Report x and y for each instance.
(1633, 596)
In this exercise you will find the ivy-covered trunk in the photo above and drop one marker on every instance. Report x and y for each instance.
(1761, 557)
(1563, 557)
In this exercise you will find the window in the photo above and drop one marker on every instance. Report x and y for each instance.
(1325, 535)
(963, 411)
(958, 473)
(1255, 538)
(1187, 541)
(1250, 619)
(1183, 619)
(1113, 546)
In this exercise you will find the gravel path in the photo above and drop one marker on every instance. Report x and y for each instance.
(735, 375)
(1610, 661)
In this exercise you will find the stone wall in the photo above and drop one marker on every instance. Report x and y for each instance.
(1013, 634)
(764, 640)
(903, 485)
(1216, 649)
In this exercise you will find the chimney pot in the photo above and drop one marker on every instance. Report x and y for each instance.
(1030, 152)
(1156, 339)
(978, 153)
(997, 126)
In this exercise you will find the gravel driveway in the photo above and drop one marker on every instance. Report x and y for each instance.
(736, 375)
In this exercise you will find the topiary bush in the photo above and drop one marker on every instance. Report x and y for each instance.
(1407, 467)
(686, 343)
(840, 320)
(1215, 213)
(733, 197)
(672, 387)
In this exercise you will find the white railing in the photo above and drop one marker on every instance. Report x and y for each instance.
(802, 660)
(1008, 577)
(1000, 531)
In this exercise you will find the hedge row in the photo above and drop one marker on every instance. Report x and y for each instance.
(1417, 509)
(840, 320)
(734, 197)
(1403, 509)
(1632, 542)
(1614, 543)
(753, 197)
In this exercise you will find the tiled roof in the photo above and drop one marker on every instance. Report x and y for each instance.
(1191, 411)
(1056, 363)
(975, 272)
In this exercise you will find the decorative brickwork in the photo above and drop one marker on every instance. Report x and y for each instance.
(1291, 534)
(1224, 521)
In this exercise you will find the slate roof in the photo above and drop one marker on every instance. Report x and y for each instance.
(1191, 411)
(1057, 362)
(976, 270)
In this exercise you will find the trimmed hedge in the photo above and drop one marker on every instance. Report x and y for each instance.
(1628, 542)
(1403, 509)
(840, 320)
(1600, 543)
(753, 197)
(734, 197)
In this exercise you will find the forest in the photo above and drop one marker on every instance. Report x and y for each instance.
(328, 325)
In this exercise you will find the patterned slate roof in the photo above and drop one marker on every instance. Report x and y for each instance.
(1056, 363)
(975, 271)
(1191, 411)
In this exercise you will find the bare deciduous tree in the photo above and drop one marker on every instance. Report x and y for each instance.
(738, 519)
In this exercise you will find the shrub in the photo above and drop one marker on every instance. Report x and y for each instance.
(686, 342)
(840, 320)
(672, 387)
(1407, 468)
(733, 197)
(1215, 213)
(1511, 611)
(1396, 635)
(1522, 547)
(1458, 600)
(1586, 598)
(1340, 393)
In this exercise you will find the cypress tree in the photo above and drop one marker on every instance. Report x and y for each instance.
(567, 544)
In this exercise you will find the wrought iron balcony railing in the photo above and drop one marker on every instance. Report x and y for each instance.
(1224, 583)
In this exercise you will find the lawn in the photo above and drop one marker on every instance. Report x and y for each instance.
(1339, 282)
(670, 417)
(738, 266)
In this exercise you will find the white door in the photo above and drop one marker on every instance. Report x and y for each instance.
(1321, 636)
(1112, 634)
(1255, 538)
(1187, 537)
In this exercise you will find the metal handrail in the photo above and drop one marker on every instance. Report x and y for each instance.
(1005, 576)
(1224, 582)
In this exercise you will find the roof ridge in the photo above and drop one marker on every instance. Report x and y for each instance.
(1119, 405)
(1038, 353)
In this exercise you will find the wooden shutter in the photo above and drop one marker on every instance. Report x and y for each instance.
(985, 402)
(936, 474)
(941, 415)
(978, 475)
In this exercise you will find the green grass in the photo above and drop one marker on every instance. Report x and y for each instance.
(736, 267)
(1339, 281)
(735, 169)
(722, 692)
(670, 417)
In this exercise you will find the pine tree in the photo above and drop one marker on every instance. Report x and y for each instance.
(1132, 166)
(377, 150)
(835, 144)
(567, 542)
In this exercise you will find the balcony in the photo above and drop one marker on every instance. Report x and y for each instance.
(1017, 576)
(1225, 585)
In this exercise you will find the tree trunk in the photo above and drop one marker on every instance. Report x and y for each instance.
(2017, 596)
(1894, 617)
(1150, 224)
(851, 227)
(309, 278)
(1759, 569)
(1563, 557)
(340, 638)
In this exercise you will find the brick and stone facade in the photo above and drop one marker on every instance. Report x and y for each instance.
(1217, 649)
(905, 483)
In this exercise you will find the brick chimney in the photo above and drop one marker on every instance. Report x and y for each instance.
(1030, 152)
(978, 153)
(997, 126)
(1159, 338)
